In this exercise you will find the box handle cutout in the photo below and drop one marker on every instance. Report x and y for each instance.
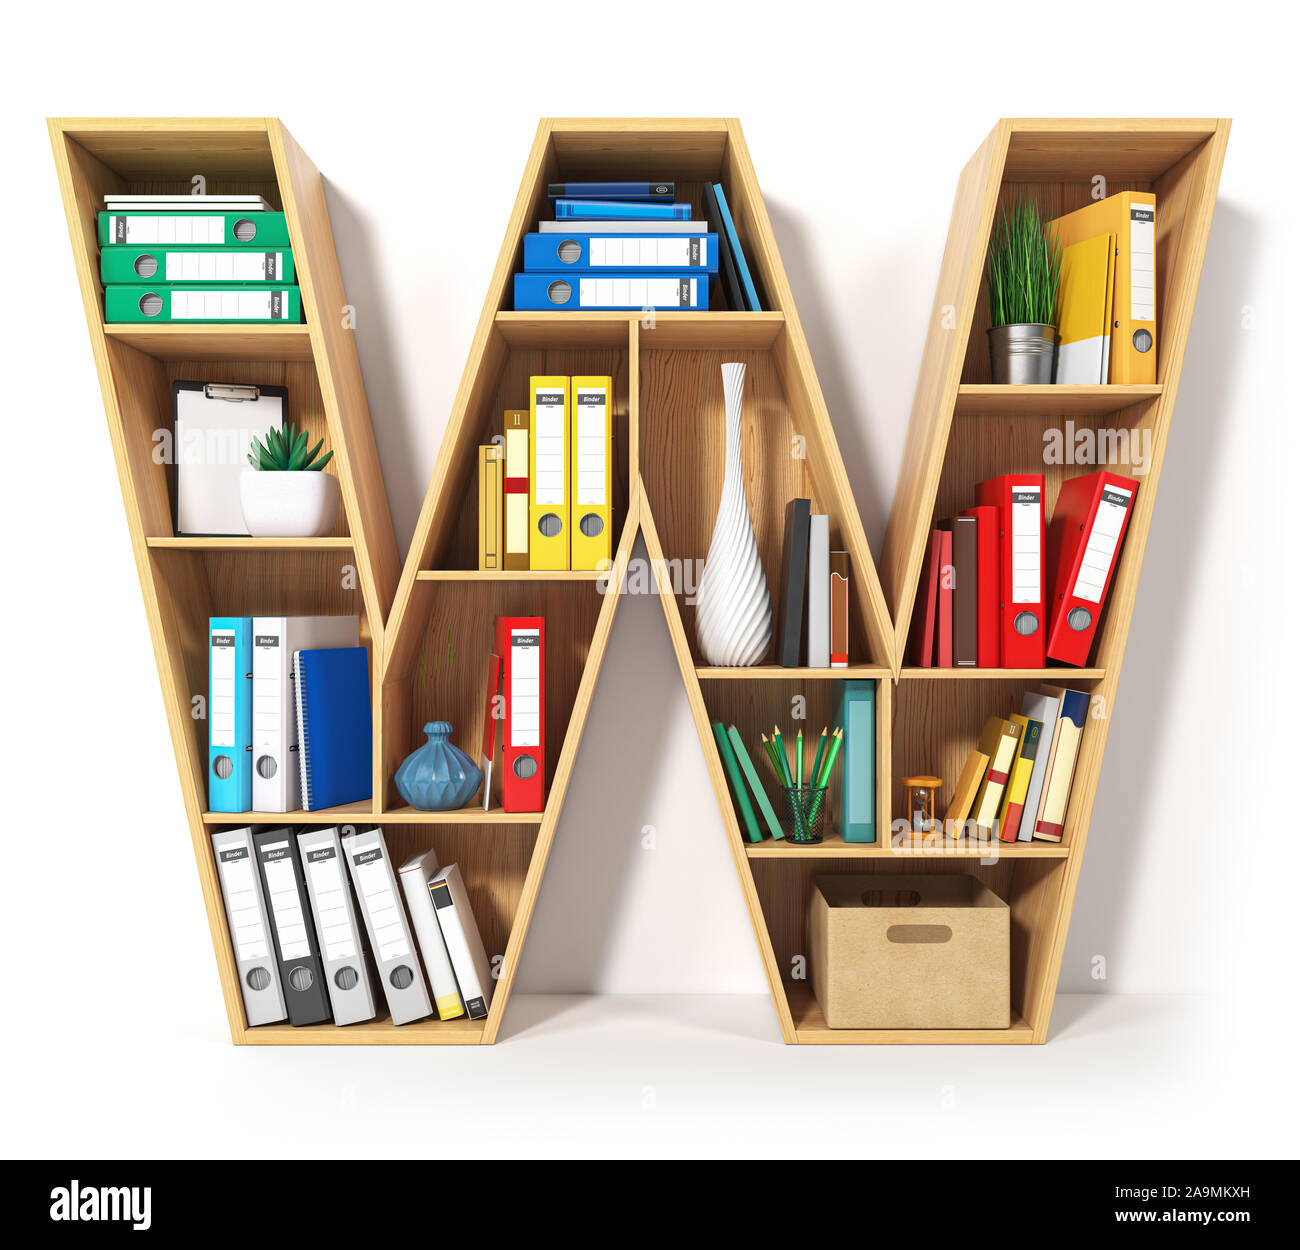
(919, 933)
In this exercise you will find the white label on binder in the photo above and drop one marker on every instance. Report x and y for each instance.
(645, 292)
(229, 305)
(246, 926)
(1026, 549)
(1142, 262)
(222, 712)
(244, 265)
(525, 688)
(385, 911)
(549, 433)
(633, 253)
(329, 890)
(590, 406)
(1102, 541)
(286, 905)
(178, 229)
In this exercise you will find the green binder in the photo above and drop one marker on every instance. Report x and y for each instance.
(751, 775)
(222, 229)
(197, 302)
(732, 769)
(194, 262)
(858, 767)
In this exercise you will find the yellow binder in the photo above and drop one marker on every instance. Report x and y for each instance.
(490, 546)
(514, 489)
(998, 740)
(548, 477)
(1083, 304)
(591, 473)
(1131, 217)
(1017, 775)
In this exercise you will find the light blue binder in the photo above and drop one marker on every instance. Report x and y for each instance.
(627, 253)
(858, 767)
(230, 713)
(619, 210)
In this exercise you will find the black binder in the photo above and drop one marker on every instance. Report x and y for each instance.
(794, 583)
(302, 975)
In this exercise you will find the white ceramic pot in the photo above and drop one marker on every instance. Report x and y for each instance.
(289, 505)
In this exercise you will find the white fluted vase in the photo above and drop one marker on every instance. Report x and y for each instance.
(733, 611)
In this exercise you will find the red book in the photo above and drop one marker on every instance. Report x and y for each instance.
(943, 655)
(989, 603)
(1022, 573)
(1083, 547)
(521, 643)
(923, 613)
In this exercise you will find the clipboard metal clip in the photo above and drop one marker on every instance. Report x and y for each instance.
(231, 394)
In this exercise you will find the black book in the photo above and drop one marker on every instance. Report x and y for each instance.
(727, 275)
(794, 583)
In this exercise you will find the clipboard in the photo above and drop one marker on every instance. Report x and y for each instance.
(213, 424)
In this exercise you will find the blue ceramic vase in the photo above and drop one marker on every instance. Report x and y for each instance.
(439, 777)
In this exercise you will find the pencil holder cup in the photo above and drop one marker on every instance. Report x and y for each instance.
(805, 811)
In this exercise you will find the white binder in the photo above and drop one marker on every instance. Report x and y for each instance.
(348, 970)
(390, 935)
(416, 874)
(819, 593)
(464, 945)
(277, 780)
(250, 930)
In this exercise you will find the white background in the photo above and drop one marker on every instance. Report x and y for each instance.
(420, 120)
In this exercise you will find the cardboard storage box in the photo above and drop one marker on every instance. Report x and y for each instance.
(927, 951)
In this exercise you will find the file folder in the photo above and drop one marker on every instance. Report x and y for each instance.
(1018, 775)
(514, 487)
(1083, 305)
(194, 262)
(839, 609)
(988, 595)
(260, 228)
(1045, 709)
(571, 229)
(230, 714)
(1059, 777)
(548, 473)
(620, 210)
(819, 591)
(1130, 216)
(464, 944)
(857, 717)
(591, 472)
(627, 253)
(521, 643)
(416, 875)
(964, 583)
(715, 205)
(650, 192)
(619, 292)
(926, 608)
(1083, 546)
(198, 302)
(349, 970)
(386, 927)
(250, 927)
(302, 975)
(943, 636)
(277, 778)
(1022, 573)
(491, 469)
(998, 741)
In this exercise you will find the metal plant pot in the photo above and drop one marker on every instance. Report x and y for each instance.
(1021, 355)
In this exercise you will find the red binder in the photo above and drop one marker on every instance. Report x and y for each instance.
(1083, 546)
(989, 601)
(922, 640)
(943, 644)
(521, 643)
(1022, 571)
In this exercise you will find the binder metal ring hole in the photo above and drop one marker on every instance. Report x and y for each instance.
(1078, 618)
(266, 766)
(591, 524)
(549, 525)
(245, 231)
(151, 304)
(401, 977)
(346, 978)
(570, 252)
(145, 265)
(524, 767)
(1025, 623)
(258, 978)
(300, 978)
(559, 292)
(223, 766)
(1142, 340)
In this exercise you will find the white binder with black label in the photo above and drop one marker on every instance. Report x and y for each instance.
(250, 929)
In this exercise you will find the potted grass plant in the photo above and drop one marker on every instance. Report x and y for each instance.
(1022, 274)
(285, 494)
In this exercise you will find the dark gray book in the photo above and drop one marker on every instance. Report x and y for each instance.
(965, 590)
(794, 583)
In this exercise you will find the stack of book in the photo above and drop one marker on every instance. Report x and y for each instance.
(633, 246)
(196, 258)
(812, 625)
(999, 589)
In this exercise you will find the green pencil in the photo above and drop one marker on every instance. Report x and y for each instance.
(817, 759)
(837, 738)
(798, 760)
(786, 779)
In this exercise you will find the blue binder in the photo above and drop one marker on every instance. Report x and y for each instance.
(858, 766)
(230, 713)
(715, 204)
(539, 292)
(619, 210)
(333, 692)
(627, 253)
(650, 192)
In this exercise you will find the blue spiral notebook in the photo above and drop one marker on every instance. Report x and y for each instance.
(333, 694)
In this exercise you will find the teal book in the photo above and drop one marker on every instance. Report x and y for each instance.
(194, 262)
(858, 762)
(751, 775)
(260, 229)
(732, 769)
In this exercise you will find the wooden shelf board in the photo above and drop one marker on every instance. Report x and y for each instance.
(775, 672)
(215, 342)
(348, 813)
(509, 575)
(833, 846)
(745, 330)
(811, 1029)
(1067, 675)
(241, 543)
(460, 1032)
(1052, 401)
(473, 815)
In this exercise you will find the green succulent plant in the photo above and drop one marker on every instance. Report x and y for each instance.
(285, 451)
(1024, 268)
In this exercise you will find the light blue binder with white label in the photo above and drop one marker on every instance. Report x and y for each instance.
(858, 765)
(230, 713)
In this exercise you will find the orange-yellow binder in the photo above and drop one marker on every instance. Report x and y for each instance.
(548, 478)
(490, 548)
(1083, 311)
(1131, 217)
(591, 472)
(998, 740)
